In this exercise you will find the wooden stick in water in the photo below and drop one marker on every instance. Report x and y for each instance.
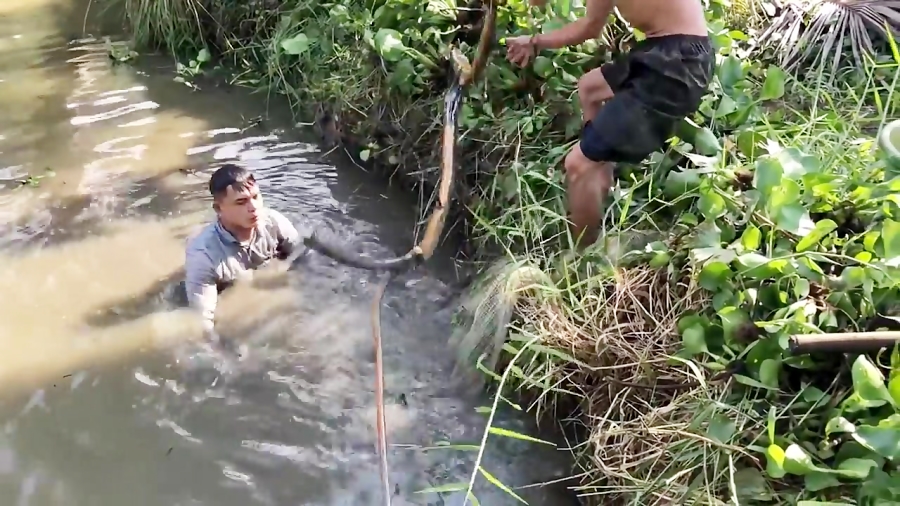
(379, 391)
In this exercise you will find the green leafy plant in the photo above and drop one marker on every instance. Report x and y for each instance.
(192, 69)
(34, 180)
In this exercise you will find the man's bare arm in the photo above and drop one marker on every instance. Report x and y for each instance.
(588, 27)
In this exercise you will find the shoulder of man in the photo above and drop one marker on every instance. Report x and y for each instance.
(200, 239)
(198, 249)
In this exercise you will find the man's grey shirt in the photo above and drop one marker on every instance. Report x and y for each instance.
(215, 259)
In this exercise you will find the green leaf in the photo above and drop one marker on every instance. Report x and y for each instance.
(796, 163)
(727, 105)
(711, 204)
(748, 142)
(706, 143)
(856, 468)
(403, 75)
(813, 394)
(660, 260)
(769, 371)
(894, 389)
(730, 72)
(705, 235)
(296, 45)
(203, 56)
(854, 276)
(721, 429)
(818, 480)
(495, 482)
(822, 229)
(687, 129)
(680, 182)
(771, 419)
(714, 254)
(714, 276)
(773, 87)
(745, 380)
(442, 489)
(890, 237)
(757, 266)
(797, 461)
(751, 485)
(732, 320)
(868, 382)
(838, 425)
(768, 175)
(543, 67)
(515, 435)
(364, 154)
(795, 219)
(884, 441)
(801, 288)
(775, 462)
(751, 238)
(389, 44)
(694, 339)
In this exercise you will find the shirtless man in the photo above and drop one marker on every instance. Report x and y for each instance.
(245, 236)
(646, 93)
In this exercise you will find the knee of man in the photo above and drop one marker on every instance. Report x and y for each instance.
(584, 90)
(593, 85)
(583, 96)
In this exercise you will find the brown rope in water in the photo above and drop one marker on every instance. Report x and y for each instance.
(424, 250)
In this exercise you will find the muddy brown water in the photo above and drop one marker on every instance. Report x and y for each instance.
(108, 398)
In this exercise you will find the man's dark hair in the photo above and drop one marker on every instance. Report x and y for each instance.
(229, 176)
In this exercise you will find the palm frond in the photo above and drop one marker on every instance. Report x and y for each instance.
(824, 32)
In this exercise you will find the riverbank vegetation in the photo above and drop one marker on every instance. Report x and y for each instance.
(771, 213)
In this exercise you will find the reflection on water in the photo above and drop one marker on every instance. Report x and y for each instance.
(108, 397)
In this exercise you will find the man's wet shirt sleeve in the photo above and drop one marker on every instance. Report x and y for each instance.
(200, 284)
(288, 237)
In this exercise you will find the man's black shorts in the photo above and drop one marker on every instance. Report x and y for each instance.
(655, 85)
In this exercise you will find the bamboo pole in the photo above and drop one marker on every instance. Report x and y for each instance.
(843, 342)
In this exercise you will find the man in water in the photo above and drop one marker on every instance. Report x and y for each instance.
(245, 236)
(646, 91)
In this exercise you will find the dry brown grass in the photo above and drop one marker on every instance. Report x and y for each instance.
(610, 350)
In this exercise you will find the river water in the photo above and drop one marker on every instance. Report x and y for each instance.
(108, 399)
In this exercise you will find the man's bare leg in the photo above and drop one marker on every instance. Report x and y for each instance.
(593, 90)
(588, 182)
(587, 185)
